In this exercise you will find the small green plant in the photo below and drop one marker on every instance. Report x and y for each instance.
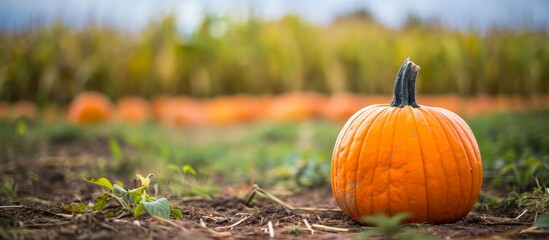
(389, 228)
(8, 191)
(115, 149)
(535, 201)
(542, 222)
(182, 171)
(134, 200)
(294, 230)
(521, 172)
(180, 183)
(21, 128)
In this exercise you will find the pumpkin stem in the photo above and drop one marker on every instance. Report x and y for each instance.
(405, 85)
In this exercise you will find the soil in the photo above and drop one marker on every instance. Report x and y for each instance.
(47, 179)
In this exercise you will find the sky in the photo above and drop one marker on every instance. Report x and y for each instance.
(133, 15)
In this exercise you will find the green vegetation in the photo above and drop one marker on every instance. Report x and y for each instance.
(8, 191)
(389, 228)
(514, 148)
(135, 200)
(227, 56)
(534, 201)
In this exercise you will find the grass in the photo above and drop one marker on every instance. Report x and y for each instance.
(514, 148)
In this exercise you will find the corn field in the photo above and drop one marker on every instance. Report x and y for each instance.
(224, 56)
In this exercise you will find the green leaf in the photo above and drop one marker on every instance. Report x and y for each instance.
(120, 184)
(138, 210)
(173, 167)
(21, 128)
(177, 213)
(385, 223)
(75, 207)
(100, 202)
(134, 195)
(160, 207)
(115, 149)
(542, 222)
(188, 169)
(111, 214)
(102, 182)
(119, 191)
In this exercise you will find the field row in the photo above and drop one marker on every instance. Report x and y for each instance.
(94, 107)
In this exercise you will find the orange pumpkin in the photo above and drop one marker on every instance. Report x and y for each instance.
(133, 110)
(89, 108)
(341, 106)
(180, 111)
(404, 157)
(158, 103)
(296, 106)
(225, 110)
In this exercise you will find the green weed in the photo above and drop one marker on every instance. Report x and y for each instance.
(8, 191)
(131, 200)
(534, 201)
(514, 148)
(390, 228)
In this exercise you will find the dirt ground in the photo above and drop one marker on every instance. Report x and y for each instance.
(46, 180)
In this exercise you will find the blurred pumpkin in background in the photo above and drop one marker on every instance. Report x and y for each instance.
(180, 111)
(296, 106)
(23, 109)
(133, 109)
(89, 108)
(250, 107)
(157, 105)
(234, 109)
(341, 106)
(224, 110)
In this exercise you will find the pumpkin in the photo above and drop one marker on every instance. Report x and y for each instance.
(158, 104)
(295, 106)
(133, 110)
(341, 106)
(181, 111)
(404, 157)
(89, 108)
(226, 110)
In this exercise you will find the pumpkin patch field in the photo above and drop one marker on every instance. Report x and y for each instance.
(235, 179)
(275, 129)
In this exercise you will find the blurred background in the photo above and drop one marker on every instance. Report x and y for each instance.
(52, 51)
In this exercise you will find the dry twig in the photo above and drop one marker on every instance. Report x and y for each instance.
(332, 229)
(309, 226)
(271, 230)
(236, 223)
(259, 191)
